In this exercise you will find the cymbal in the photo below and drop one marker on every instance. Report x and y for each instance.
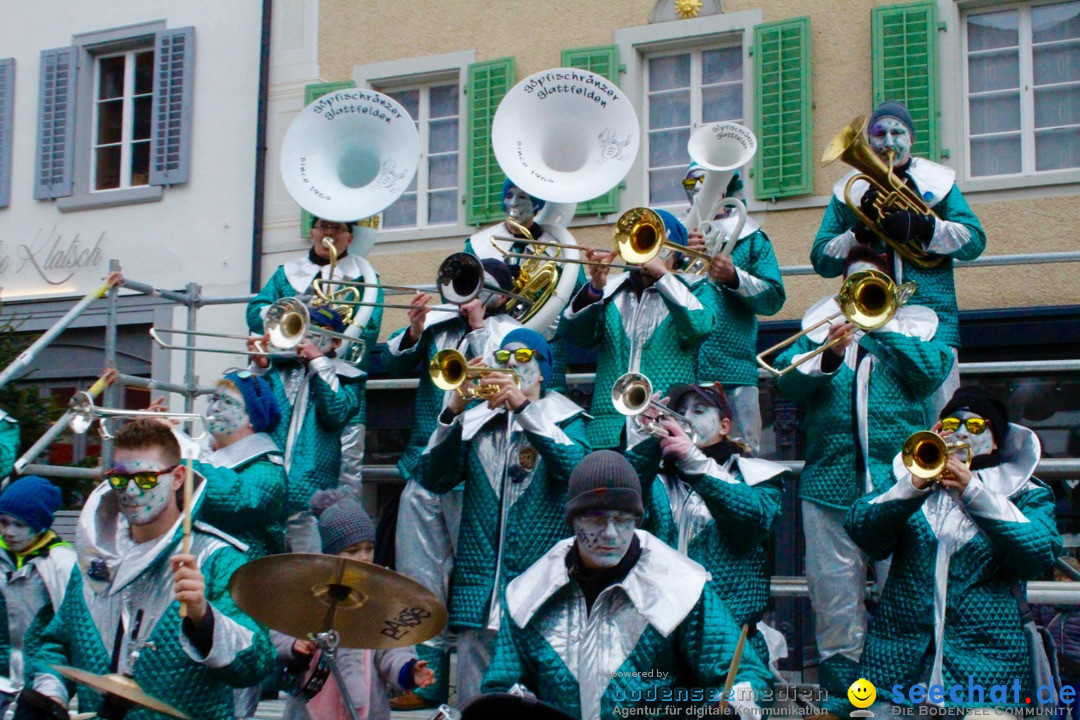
(120, 686)
(369, 606)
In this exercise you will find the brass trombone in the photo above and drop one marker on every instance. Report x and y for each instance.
(449, 370)
(632, 395)
(868, 298)
(350, 289)
(925, 454)
(461, 279)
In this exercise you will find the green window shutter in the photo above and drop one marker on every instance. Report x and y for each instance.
(602, 60)
(784, 166)
(487, 83)
(313, 92)
(905, 68)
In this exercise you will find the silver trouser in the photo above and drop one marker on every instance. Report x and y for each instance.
(246, 700)
(475, 648)
(945, 391)
(426, 541)
(836, 576)
(352, 458)
(746, 414)
(302, 534)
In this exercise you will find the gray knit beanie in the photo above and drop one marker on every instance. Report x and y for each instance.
(342, 522)
(604, 480)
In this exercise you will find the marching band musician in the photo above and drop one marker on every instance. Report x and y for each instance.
(711, 501)
(120, 613)
(861, 398)
(427, 523)
(961, 547)
(744, 284)
(516, 453)
(954, 234)
(612, 619)
(317, 395)
(522, 208)
(9, 443)
(35, 567)
(648, 320)
(295, 277)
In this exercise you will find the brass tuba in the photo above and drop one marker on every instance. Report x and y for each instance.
(868, 299)
(925, 453)
(449, 370)
(850, 145)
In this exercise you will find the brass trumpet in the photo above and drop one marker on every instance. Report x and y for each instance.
(632, 396)
(850, 145)
(449, 370)
(925, 454)
(868, 299)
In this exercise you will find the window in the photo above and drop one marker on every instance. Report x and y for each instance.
(433, 197)
(1023, 89)
(122, 104)
(682, 91)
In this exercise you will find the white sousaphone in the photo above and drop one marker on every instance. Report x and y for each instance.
(567, 136)
(720, 148)
(347, 156)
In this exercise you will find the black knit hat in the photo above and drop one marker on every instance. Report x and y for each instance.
(986, 405)
(604, 480)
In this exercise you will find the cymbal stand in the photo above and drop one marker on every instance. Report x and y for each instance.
(328, 643)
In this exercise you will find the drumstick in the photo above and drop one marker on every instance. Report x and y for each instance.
(735, 660)
(189, 484)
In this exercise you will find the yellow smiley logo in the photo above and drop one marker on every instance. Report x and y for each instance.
(862, 693)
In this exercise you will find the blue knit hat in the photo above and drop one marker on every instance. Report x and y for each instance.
(259, 400)
(327, 317)
(537, 203)
(32, 500)
(893, 109)
(535, 341)
(676, 231)
(342, 522)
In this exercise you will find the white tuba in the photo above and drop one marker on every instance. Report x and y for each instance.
(567, 136)
(720, 148)
(347, 156)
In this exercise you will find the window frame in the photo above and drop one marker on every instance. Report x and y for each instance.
(955, 123)
(638, 44)
(415, 72)
(91, 46)
(127, 125)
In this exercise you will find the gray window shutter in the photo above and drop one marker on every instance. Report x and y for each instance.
(56, 123)
(170, 133)
(7, 111)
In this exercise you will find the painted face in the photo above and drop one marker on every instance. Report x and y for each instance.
(529, 371)
(226, 412)
(490, 299)
(140, 506)
(603, 537)
(339, 233)
(518, 205)
(17, 535)
(361, 551)
(695, 176)
(324, 343)
(889, 134)
(981, 444)
(704, 417)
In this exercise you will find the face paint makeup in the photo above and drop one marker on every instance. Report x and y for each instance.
(361, 552)
(519, 206)
(704, 417)
(226, 412)
(692, 184)
(889, 134)
(603, 537)
(18, 536)
(981, 444)
(529, 371)
(140, 506)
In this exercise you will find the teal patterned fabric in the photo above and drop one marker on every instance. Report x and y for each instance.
(166, 672)
(697, 654)
(9, 443)
(668, 357)
(983, 635)
(248, 502)
(534, 522)
(906, 371)
(732, 545)
(316, 459)
(728, 354)
(936, 288)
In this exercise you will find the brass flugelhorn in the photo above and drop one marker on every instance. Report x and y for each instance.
(449, 370)
(632, 395)
(868, 299)
(925, 454)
